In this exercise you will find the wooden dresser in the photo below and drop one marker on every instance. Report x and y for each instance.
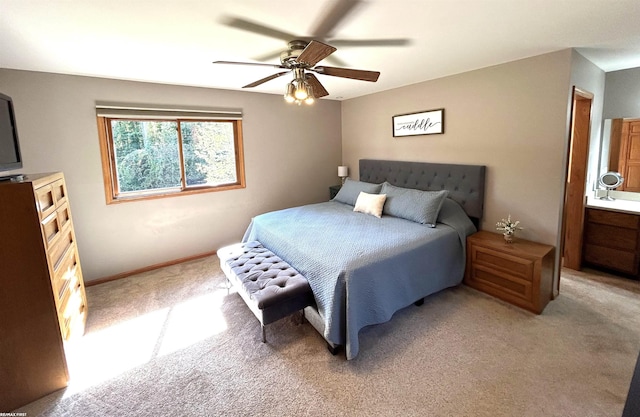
(612, 240)
(42, 302)
(520, 273)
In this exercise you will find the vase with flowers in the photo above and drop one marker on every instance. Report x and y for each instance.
(508, 228)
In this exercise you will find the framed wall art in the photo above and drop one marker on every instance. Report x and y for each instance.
(429, 122)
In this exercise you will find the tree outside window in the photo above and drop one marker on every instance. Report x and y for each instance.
(152, 158)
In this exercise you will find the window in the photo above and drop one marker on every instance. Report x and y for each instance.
(152, 157)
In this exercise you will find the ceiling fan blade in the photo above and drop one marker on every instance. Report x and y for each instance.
(371, 42)
(260, 29)
(315, 52)
(269, 56)
(318, 89)
(333, 17)
(265, 79)
(248, 63)
(348, 73)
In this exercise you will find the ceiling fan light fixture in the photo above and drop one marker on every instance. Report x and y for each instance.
(300, 92)
(310, 98)
(288, 95)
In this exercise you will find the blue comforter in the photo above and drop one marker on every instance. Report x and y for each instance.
(362, 269)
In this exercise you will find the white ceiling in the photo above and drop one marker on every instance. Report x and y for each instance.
(176, 41)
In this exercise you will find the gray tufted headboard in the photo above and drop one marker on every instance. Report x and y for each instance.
(465, 183)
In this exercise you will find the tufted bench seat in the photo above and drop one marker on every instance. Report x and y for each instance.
(268, 285)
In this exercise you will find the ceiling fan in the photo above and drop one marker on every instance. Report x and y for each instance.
(304, 53)
(301, 58)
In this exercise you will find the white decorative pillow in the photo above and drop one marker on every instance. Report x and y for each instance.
(370, 203)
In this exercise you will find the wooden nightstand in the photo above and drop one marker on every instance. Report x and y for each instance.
(333, 190)
(520, 273)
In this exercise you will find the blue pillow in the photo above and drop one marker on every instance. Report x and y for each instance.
(415, 205)
(350, 190)
(453, 214)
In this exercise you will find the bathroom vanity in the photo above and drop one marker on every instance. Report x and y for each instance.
(612, 236)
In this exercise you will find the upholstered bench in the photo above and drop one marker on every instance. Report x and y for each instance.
(268, 285)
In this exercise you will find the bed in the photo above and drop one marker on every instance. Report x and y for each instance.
(361, 268)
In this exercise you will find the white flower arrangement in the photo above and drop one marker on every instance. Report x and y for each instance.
(508, 227)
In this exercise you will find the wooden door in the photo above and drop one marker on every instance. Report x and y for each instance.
(629, 163)
(573, 218)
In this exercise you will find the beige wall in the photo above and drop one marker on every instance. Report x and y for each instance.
(291, 155)
(511, 118)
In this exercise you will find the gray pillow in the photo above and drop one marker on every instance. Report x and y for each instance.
(350, 190)
(453, 214)
(415, 205)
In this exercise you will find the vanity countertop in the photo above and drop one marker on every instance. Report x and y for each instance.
(624, 206)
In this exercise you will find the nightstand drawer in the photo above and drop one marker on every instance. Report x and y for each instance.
(497, 282)
(512, 265)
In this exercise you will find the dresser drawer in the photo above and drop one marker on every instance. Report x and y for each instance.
(64, 321)
(50, 197)
(51, 229)
(45, 201)
(629, 221)
(612, 237)
(67, 276)
(59, 248)
(59, 190)
(73, 313)
(64, 214)
(77, 322)
(617, 259)
(54, 223)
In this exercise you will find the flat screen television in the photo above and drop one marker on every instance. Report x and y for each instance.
(10, 157)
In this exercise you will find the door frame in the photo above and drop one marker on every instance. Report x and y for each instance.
(576, 165)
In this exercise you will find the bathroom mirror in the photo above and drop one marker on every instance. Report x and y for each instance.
(610, 181)
(620, 153)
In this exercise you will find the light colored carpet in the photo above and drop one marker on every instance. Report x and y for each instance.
(172, 342)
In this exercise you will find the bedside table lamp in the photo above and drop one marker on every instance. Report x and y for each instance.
(343, 172)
